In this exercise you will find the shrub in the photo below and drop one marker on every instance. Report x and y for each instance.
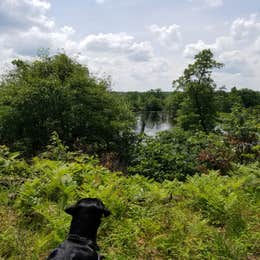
(169, 155)
(178, 154)
(242, 128)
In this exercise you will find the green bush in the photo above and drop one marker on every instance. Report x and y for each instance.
(242, 127)
(169, 155)
(178, 154)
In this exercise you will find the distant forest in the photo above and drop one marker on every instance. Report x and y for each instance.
(158, 100)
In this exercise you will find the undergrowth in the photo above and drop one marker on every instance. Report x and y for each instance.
(207, 217)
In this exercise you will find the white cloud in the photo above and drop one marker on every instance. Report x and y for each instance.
(239, 51)
(27, 42)
(193, 48)
(141, 51)
(20, 14)
(245, 29)
(107, 42)
(236, 62)
(25, 27)
(133, 64)
(118, 54)
(118, 44)
(169, 36)
(39, 3)
(222, 44)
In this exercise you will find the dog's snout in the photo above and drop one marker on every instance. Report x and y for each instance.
(70, 210)
(106, 212)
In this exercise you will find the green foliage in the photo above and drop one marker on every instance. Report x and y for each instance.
(166, 156)
(204, 205)
(173, 103)
(242, 126)
(216, 153)
(198, 109)
(56, 150)
(152, 100)
(224, 100)
(13, 170)
(208, 217)
(249, 97)
(58, 94)
(178, 154)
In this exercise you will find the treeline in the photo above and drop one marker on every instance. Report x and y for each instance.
(158, 100)
(152, 100)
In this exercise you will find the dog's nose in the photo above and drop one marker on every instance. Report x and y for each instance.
(106, 212)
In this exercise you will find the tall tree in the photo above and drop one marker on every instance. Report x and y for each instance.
(58, 94)
(198, 110)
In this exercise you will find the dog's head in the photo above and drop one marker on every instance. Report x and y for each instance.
(92, 206)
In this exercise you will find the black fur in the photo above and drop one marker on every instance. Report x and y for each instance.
(81, 242)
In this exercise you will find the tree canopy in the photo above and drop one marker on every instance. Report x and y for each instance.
(198, 108)
(58, 94)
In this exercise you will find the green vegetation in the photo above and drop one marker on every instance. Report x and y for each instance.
(191, 192)
(198, 109)
(207, 217)
(58, 94)
(177, 153)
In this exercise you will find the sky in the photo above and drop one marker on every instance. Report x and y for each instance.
(141, 44)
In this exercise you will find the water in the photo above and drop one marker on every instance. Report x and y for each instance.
(152, 122)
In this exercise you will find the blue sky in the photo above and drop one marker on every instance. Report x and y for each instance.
(141, 44)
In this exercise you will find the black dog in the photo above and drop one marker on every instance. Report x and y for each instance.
(81, 241)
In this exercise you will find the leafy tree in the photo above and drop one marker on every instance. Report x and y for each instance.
(242, 127)
(249, 97)
(152, 100)
(224, 100)
(198, 110)
(59, 94)
(173, 103)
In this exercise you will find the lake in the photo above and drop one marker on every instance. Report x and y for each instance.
(152, 122)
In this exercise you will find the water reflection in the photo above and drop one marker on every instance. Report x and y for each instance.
(151, 122)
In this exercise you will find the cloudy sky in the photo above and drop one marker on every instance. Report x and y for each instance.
(142, 44)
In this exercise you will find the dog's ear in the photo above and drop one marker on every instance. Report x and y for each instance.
(106, 212)
(71, 210)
